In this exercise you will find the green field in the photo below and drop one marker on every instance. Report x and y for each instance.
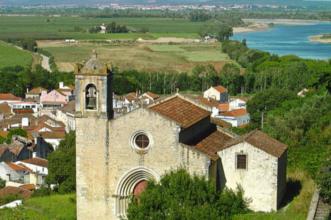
(139, 56)
(44, 27)
(12, 56)
(43, 208)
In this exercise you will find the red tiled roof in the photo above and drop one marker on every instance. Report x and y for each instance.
(213, 143)
(131, 96)
(18, 167)
(208, 102)
(36, 91)
(23, 111)
(15, 149)
(181, 111)
(5, 108)
(262, 141)
(11, 190)
(224, 107)
(30, 187)
(152, 95)
(220, 89)
(235, 113)
(9, 96)
(53, 135)
(36, 161)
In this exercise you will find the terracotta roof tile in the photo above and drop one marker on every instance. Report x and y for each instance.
(235, 113)
(9, 96)
(53, 135)
(152, 95)
(224, 107)
(5, 108)
(18, 167)
(220, 89)
(208, 102)
(213, 143)
(36, 161)
(11, 190)
(15, 149)
(262, 141)
(30, 187)
(36, 91)
(181, 111)
(23, 111)
(132, 96)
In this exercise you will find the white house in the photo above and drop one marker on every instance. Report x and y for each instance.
(257, 163)
(103, 29)
(236, 118)
(237, 104)
(67, 116)
(35, 107)
(36, 164)
(149, 98)
(9, 174)
(218, 93)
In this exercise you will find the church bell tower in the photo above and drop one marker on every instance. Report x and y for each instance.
(93, 113)
(93, 89)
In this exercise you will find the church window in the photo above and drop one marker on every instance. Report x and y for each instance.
(241, 161)
(91, 97)
(142, 141)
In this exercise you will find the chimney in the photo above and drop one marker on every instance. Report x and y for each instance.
(34, 154)
(61, 85)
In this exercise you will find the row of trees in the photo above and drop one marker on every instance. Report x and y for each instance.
(110, 28)
(17, 79)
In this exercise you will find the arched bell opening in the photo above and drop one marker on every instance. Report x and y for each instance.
(91, 97)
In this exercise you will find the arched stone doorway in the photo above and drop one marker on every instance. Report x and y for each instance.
(133, 183)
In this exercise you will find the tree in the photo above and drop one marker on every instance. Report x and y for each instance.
(2, 183)
(17, 131)
(62, 165)
(218, 30)
(182, 196)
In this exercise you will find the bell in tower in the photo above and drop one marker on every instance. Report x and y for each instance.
(93, 89)
(91, 97)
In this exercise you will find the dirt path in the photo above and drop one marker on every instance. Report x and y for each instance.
(45, 63)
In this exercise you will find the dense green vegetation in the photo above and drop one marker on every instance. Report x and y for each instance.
(16, 79)
(62, 165)
(178, 195)
(324, 181)
(43, 208)
(12, 56)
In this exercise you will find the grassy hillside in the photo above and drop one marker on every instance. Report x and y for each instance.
(12, 56)
(43, 208)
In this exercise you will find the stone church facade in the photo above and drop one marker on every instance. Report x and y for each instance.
(116, 156)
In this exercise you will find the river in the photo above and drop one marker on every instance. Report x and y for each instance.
(283, 39)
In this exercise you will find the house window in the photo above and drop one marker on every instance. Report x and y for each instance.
(241, 161)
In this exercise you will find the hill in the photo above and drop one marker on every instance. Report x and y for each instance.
(12, 56)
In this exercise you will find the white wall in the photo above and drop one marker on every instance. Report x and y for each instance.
(35, 168)
(5, 170)
(237, 104)
(212, 93)
(259, 180)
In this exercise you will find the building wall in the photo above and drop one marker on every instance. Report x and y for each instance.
(212, 93)
(259, 180)
(106, 158)
(282, 164)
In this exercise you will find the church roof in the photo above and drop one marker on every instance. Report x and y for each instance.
(214, 142)
(262, 141)
(181, 111)
(93, 67)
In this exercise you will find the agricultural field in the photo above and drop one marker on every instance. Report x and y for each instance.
(12, 56)
(43, 208)
(140, 56)
(62, 27)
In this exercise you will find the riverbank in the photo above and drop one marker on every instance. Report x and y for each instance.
(251, 28)
(320, 39)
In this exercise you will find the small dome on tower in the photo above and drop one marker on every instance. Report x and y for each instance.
(93, 66)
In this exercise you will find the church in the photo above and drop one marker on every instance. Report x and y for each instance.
(115, 157)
